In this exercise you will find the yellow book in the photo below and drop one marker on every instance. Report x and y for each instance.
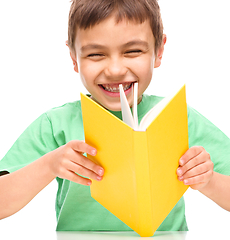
(140, 184)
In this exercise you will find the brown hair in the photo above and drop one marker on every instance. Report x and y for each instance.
(87, 13)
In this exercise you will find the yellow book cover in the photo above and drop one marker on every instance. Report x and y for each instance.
(140, 184)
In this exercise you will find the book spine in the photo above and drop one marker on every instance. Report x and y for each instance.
(145, 216)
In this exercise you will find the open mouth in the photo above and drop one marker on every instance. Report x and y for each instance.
(114, 88)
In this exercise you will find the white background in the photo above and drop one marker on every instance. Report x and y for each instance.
(36, 74)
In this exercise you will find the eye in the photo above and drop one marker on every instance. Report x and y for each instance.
(96, 56)
(133, 53)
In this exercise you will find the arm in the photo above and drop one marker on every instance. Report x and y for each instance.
(196, 170)
(19, 188)
(218, 189)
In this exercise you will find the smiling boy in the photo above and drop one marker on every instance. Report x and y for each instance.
(111, 42)
(111, 53)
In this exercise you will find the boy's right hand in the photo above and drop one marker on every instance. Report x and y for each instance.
(68, 161)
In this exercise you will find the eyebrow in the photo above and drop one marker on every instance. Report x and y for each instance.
(128, 44)
(92, 46)
(136, 42)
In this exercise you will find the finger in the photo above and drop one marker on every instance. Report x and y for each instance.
(81, 146)
(190, 153)
(197, 170)
(76, 168)
(199, 179)
(87, 164)
(73, 177)
(193, 162)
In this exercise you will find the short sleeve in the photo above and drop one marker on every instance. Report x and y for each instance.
(203, 133)
(33, 143)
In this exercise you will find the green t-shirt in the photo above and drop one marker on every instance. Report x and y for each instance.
(75, 208)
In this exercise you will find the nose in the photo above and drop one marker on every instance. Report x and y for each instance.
(115, 68)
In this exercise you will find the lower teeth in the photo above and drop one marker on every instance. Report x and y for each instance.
(116, 90)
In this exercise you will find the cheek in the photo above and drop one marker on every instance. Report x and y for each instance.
(88, 71)
(143, 68)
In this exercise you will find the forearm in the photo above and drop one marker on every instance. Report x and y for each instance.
(17, 189)
(218, 190)
(67, 162)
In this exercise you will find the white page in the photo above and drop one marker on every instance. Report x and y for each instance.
(135, 99)
(125, 109)
(154, 112)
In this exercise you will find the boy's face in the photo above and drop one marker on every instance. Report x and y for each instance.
(110, 54)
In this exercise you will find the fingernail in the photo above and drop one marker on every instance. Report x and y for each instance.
(185, 182)
(180, 178)
(93, 152)
(179, 171)
(101, 172)
(99, 178)
(181, 161)
(89, 183)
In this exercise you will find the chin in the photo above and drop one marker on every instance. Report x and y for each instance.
(113, 107)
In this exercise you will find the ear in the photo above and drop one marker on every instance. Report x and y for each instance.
(160, 52)
(73, 57)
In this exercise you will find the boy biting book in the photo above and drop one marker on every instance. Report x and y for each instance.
(111, 43)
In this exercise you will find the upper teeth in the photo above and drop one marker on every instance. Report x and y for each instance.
(116, 88)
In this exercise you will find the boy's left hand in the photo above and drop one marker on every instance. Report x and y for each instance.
(196, 168)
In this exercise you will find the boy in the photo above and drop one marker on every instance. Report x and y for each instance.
(111, 42)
